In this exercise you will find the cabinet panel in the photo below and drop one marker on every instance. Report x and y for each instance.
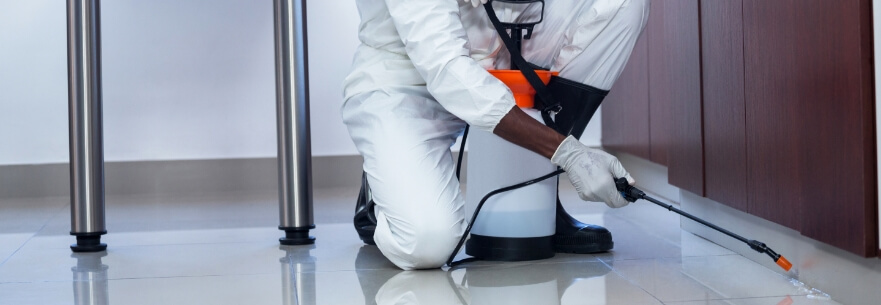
(675, 91)
(808, 101)
(626, 109)
(660, 94)
(772, 98)
(723, 104)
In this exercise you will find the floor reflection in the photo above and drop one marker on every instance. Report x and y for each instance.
(90, 279)
(511, 283)
(297, 275)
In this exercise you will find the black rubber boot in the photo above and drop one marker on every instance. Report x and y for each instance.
(365, 219)
(578, 104)
(573, 236)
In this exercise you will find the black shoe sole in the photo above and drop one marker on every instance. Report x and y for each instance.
(364, 220)
(582, 244)
(366, 235)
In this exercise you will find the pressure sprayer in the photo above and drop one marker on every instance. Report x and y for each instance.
(521, 222)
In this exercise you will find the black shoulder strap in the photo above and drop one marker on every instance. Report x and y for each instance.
(541, 89)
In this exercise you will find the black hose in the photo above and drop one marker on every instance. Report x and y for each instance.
(461, 152)
(480, 205)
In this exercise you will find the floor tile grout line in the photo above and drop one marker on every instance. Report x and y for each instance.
(203, 275)
(43, 226)
(612, 268)
(718, 292)
(701, 284)
(668, 257)
(731, 299)
(662, 302)
(141, 278)
(657, 236)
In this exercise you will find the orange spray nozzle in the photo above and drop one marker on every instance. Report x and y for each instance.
(762, 248)
(783, 263)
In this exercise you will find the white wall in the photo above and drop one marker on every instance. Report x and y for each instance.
(183, 79)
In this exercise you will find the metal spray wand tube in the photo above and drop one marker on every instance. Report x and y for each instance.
(86, 135)
(294, 147)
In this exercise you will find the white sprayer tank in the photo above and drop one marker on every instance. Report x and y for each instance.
(515, 225)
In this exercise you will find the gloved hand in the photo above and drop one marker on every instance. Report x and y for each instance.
(591, 171)
(475, 3)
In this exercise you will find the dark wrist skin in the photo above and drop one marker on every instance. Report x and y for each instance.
(519, 128)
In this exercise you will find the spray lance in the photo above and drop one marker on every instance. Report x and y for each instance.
(631, 193)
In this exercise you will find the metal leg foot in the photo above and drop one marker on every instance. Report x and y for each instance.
(89, 242)
(296, 236)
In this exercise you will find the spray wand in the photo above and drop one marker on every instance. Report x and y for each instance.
(632, 194)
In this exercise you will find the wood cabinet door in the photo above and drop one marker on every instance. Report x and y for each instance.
(809, 119)
(625, 123)
(723, 104)
(675, 91)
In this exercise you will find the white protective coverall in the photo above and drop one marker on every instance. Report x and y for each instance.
(419, 76)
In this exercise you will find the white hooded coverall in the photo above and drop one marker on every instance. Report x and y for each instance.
(419, 76)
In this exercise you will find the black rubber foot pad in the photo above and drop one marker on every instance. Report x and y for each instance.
(79, 248)
(511, 249)
(583, 249)
(296, 238)
(583, 243)
(88, 242)
(586, 240)
(296, 241)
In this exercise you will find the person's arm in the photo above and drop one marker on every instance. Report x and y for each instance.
(519, 128)
(437, 45)
(590, 170)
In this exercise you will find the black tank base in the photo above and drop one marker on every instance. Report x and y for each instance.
(88, 242)
(296, 236)
(510, 249)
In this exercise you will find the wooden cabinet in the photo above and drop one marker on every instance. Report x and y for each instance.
(675, 90)
(810, 121)
(723, 103)
(771, 110)
(662, 77)
(625, 110)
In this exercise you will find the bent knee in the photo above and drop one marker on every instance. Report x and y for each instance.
(425, 247)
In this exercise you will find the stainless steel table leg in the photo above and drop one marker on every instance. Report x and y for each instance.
(86, 138)
(294, 147)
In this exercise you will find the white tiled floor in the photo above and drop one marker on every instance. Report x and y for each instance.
(223, 249)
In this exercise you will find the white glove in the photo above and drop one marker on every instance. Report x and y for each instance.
(475, 3)
(592, 172)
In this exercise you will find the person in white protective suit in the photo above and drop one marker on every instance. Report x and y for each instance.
(419, 76)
